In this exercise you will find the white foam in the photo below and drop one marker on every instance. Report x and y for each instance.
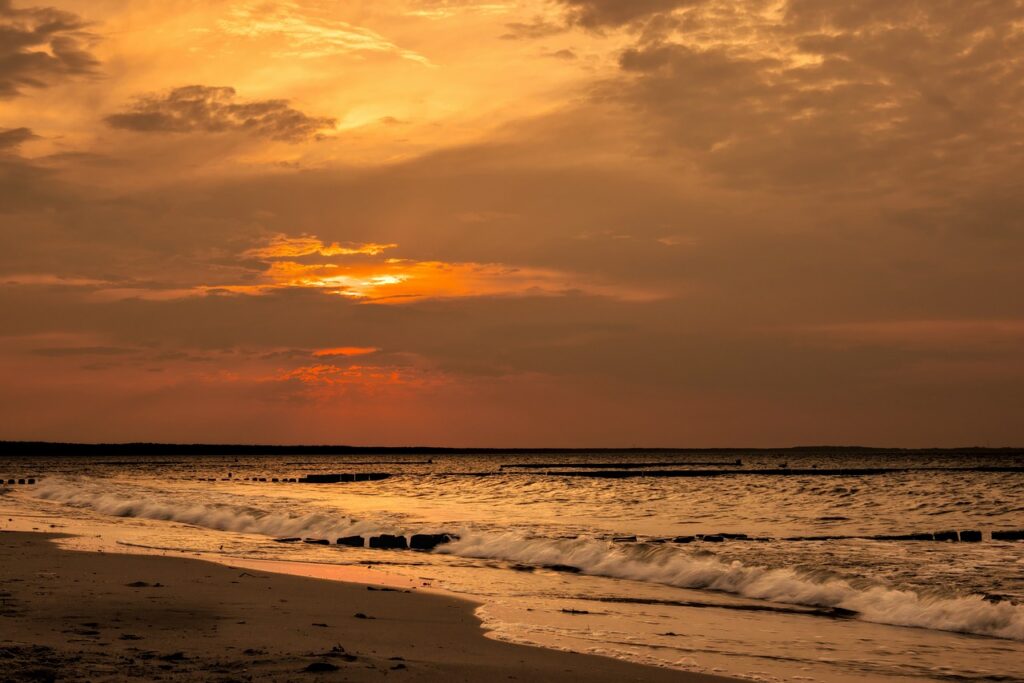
(662, 564)
(677, 567)
(220, 517)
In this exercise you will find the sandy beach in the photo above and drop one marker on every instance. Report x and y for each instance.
(78, 616)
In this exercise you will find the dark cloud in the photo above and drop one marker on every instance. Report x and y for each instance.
(59, 351)
(40, 46)
(598, 14)
(562, 54)
(538, 28)
(857, 96)
(10, 138)
(659, 352)
(24, 184)
(216, 109)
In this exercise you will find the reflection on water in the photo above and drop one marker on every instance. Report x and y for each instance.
(772, 609)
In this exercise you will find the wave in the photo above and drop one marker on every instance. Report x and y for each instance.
(675, 567)
(235, 518)
(663, 564)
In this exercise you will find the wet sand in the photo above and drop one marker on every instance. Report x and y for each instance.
(76, 616)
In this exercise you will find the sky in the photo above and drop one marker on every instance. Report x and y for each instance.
(527, 223)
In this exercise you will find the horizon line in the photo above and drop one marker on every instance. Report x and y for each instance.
(37, 445)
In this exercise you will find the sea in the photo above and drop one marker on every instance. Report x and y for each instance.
(791, 565)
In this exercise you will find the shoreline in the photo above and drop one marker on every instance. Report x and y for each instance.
(72, 615)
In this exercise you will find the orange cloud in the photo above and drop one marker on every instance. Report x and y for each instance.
(345, 351)
(370, 278)
(325, 381)
(404, 279)
(333, 374)
(394, 280)
(283, 246)
(306, 35)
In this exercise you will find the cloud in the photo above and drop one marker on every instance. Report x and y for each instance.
(214, 110)
(562, 54)
(398, 280)
(598, 14)
(40, 46)
(505, 290)
(324, 379)
(283, 246)
(24, 183)
(345, 351)
(11, 138)
(307, 35)
(57, 351)
(925, 335)
(859, 96)
(444, 9)
(537, 28)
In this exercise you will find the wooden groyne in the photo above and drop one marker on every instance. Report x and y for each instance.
(614, 465)
(18, 481)
(945, 536)
(380, 541)
(775, 472)
(309, 478)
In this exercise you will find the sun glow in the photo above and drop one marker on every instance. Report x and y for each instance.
(396, 280)
(345, 351)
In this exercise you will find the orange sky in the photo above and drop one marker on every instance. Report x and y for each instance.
(527, 223)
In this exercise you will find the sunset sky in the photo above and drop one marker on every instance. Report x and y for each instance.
(528, 223)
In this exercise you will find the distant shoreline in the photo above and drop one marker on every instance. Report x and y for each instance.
(44, 448)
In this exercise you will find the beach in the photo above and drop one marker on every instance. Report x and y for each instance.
(67, 615)
(821, 577)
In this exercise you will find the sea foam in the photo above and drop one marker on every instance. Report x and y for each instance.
(235, 518)
(664, 564)
(675, 566)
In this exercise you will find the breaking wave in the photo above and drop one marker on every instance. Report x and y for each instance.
(219, 517)
(663, 564)
(683, 568)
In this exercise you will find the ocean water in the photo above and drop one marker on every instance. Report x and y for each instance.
(803, 587)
